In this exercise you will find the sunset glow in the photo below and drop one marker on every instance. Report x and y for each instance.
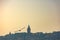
(43, 16)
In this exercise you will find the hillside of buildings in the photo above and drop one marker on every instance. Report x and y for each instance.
(32, 36)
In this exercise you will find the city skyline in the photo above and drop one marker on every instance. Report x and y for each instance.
(40, 14)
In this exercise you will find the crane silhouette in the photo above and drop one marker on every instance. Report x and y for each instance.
(21, 29)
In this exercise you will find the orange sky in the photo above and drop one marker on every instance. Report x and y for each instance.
(40, 14)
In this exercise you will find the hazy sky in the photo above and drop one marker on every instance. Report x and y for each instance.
(42, 15)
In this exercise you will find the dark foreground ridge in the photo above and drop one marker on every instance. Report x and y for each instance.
(32, 36)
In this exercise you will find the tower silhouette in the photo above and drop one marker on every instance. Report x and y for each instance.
(28, 29)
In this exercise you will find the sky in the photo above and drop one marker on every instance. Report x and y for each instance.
(41, 15)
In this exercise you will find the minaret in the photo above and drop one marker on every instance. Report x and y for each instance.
(28, 29)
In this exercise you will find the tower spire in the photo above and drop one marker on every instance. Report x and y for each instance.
(28, 29)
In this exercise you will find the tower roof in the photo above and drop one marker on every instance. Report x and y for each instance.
(28, 29)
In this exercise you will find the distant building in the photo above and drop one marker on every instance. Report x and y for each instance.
(31, 36)
(28, 29)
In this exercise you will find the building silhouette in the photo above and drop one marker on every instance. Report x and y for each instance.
(32, 36)
(28, 29)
